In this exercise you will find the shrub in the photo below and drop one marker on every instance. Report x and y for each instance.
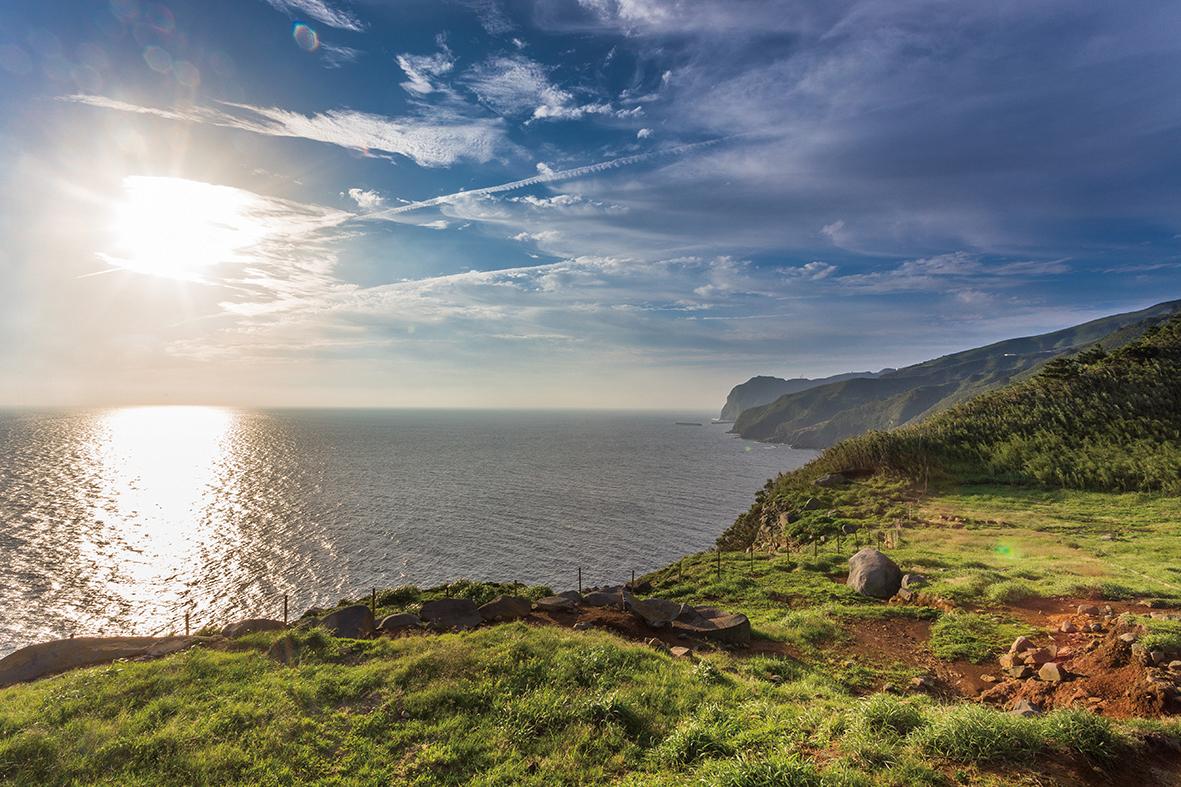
(1082, 732)
(971, 636)
(1009, 592)
(889, 715)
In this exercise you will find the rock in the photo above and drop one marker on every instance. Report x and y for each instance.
(913, 581)
(284, 650)
(554, 604)
(573, 596)
(1152, 603)
(1067, 627)
(904, 595)
(653, 642)
(1088, 609)
(680, 652)
(1025, 708)
(251, 626)
(1038, 657)
(1157, 657)
(1019, 671)
(812, 504)
(714, 624)
(50, 658)
(1007, 660)
(399, 621)
(582, 625)
(849, 528)
(656, 612)
(988, 678)
(1063, 654)
(1050, 672)
(506, 608)
(1175, 665)
(922, 683)
(1128, 637)
(1095, 628)
(353, 622)
(1021, 644)
(451, 614)
(608, 598)
(832, 479)
(873, 574)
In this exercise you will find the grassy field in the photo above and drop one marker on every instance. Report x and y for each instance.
(820, 699)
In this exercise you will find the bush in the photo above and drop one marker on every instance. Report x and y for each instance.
(883, 714)
(1082, 732)
(1009, 592)
(976, 734)
(968, 635)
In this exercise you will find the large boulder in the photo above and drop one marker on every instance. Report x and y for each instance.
(656, 612)
(506, 608)
(252, 626)
(873, 574)
(714, 624)
(559, 603)
(451, 614)
(398, 622)
(352, 622)
(50, 658)
(608, 597)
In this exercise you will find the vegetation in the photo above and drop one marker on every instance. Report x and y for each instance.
(823, 415)
(971, 636)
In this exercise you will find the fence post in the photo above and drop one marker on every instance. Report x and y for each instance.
(373, 602)
(580, 579)
(186, 623)
(633, 580)
(284, 609)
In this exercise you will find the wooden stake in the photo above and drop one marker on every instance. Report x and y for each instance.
(284, 609)
(580, 579)
(373, 602)
(186, 623)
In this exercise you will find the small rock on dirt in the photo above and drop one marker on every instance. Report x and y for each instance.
(1025, 708)
(1088, 609)
(1050, 672)
(1021, 644)
(922, 683)
(680, 652)
(1067, 627)
(1019, 671)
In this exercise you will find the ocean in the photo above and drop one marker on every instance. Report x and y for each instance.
(118, 521)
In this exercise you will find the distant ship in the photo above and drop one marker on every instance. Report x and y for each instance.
(687, 423)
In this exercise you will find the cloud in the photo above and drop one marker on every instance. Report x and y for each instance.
(644, 133)
(515, 85)
(954, 270)
(440, 140)
(421, 70)
(337, 56)
(320, 11)
(366, 200)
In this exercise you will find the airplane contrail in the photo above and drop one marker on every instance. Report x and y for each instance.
(545, 177)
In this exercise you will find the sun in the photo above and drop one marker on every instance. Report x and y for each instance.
(181, 229)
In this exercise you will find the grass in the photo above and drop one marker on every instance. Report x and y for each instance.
(972, 636)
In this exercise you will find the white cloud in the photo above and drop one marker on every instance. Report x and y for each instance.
(437, 141)
(644, 133)
(366, 200)
(516, 85)
(438, 224)
(337, 56)
(421, 69)
(538, 237)
(320, 11)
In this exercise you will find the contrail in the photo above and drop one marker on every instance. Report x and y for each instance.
(547, 177)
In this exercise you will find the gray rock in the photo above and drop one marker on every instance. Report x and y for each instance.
(873, 574)
(399, 621)
(680, 652)
(573, 595)
(51, 658)
(653, 642)
(1067, 627)
(913, 581)
(714, 624)
(1019, 671)
(1051, 672)
(506, 608)
(1021, 644)
(922, 683)
(354, 622)
(812, 504)
(554, 604)
(608, 598)
(656, 612)
(1025, 708)
(251, 626)
(582, 625)
(1088, 609)
(832, 479)
(451, 614)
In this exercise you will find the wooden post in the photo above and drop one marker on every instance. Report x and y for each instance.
(680, 569)
(284, 609)
(580, 579)
(633, 580)
(186, 623)
(373, 602)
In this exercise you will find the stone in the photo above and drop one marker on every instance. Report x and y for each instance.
(1128, 637)
(922, 683)
(582, 625)
(573, 596)
(680, 652)
(1019, 671)
(1021, 644)
(873, 574)
(1051, 672)
(1088, 609)
(251, 626)
(832, 479)
(1067, 627)
(352, 622)
(1175, 665)
(988, 678)
(656, 612)
(653, 642)
(1007, 660)
(451, 614)
(1038, 657)
(1025, 708)
(714, 624)
(554, 604)
(504, 608)
(904, 595)
(812, 504)
(399, 621)
(1157, 657)
(50, 658)
(608, 598)
(913, 581)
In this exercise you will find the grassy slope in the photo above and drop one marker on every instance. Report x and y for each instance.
(821, 416)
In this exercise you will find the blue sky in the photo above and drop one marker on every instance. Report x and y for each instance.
(622, 203)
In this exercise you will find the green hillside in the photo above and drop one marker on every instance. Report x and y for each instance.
(824, 415)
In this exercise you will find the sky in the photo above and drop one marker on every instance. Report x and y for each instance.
(565, 203)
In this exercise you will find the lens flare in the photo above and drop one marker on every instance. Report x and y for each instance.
(158, 59)
(305, 37)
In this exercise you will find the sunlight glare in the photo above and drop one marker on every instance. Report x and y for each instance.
(179, 229)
